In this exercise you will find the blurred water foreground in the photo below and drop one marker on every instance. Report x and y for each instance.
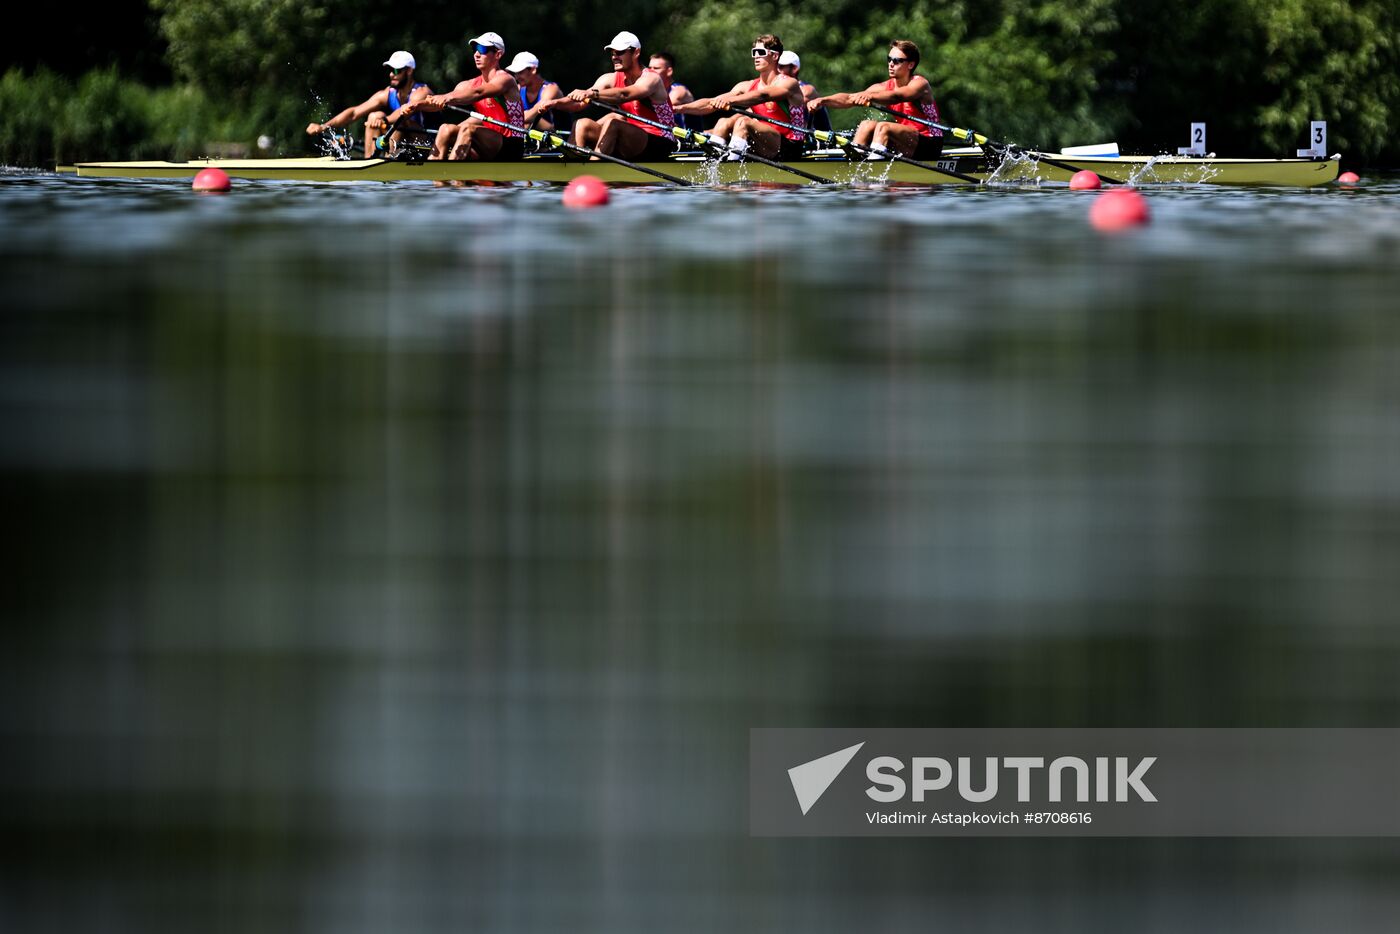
(387, 558)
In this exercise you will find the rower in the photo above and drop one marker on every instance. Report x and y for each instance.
(402, 68)
(905, 92)
(492, 93)
(535, 89)
(664, 64)
(637, 91)
(771, 94)
(790, 64)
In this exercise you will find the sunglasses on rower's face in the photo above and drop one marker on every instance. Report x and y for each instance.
(480, 49)
(896, 61)
(760, 52)
(397, 71)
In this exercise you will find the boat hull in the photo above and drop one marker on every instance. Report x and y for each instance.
(1138, 170)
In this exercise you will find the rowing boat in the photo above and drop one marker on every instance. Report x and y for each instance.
(551, 167)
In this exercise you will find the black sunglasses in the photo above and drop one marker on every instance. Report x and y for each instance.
(896, 61)
(482, 49)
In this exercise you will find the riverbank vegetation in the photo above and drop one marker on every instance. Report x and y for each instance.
(1038, 72)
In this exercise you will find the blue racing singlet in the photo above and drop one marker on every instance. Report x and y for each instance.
(559, 118)
(395, 103)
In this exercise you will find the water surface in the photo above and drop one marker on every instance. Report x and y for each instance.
(399, 558)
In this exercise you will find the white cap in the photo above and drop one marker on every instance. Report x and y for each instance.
(624, 40)
(491, 38)
(790, 58)
(522, 61)
(401, 59)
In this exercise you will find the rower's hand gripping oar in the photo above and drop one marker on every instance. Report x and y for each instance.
(979, 140)
(845, 141)
(554, 139)
(381, 142)
(697, 138)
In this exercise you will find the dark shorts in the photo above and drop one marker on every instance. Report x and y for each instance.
(791, 149)
(512, 150)
(929, 148)
(658, 149)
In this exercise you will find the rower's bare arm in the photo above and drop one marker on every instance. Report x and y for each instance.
(837, 101)
(699, 107)
(647, 86)
(459, 96)
(350, 114)
(915, 90)
(549, 93)
(731, 97)
(579, 98)
(415, 99)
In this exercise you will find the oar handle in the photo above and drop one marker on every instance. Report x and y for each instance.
(554, 139)
(826, 136)
(705, 141)
(679, 132)
(958, 132)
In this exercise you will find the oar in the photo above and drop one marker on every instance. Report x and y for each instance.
(381, 142)
(700, 139)
(980, 140)
(845, 141)
(554, 139)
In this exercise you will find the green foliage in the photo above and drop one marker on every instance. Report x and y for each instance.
(1329, 59)
(26, 116)
(1039, 72)
(105, 116)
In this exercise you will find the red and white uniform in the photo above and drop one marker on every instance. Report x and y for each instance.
(662, 113)
(505, 108)
(779, 110)
(927, 111)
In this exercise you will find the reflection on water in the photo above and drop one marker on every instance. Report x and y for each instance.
(387, 558)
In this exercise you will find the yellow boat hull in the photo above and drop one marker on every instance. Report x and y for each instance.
(1138, 170)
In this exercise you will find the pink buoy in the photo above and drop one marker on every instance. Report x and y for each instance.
(1348, 178)
(586, 191)
(1084, 180)
(1118, 209)
(211, 179)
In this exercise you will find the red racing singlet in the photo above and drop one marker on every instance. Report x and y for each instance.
(780, 111)
(927, 111)
(507, 109)
(643, 108)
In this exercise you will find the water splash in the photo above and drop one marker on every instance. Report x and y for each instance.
(337, 144)
(1199, 173)
(1016, 168)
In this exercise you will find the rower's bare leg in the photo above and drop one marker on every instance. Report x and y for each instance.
(486, 145)
(462, 148)
(585, 132)
(902, 139)
(608, 134)
(446, 135)
(374, 126)
(725, 127)
(865, 132)
(629, 141)
(764, 139)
